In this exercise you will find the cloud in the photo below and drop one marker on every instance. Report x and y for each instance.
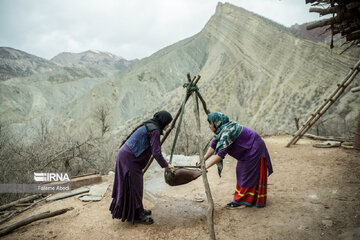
(132, 29)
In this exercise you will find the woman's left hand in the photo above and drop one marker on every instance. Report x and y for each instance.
(169, 167)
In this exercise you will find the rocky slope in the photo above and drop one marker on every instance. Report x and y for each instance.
(256, 71)
(16, 63)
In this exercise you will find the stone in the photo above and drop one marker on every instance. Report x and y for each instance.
(327, 223)
(96, 192)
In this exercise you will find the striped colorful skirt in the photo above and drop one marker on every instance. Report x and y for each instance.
(255, 195)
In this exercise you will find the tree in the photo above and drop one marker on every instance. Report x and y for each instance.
(102, 114)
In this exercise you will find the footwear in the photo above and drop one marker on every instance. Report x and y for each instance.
(146, 220)
(232, 205)
(147, 212)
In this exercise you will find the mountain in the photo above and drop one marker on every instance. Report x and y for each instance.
(253, 69)
(92, 58)
(260, 73)
(16, 63)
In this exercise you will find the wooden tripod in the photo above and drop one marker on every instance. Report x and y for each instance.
(195, 94)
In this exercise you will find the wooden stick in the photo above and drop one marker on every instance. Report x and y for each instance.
(297, 123)
(5, 213)
(22, 204)
(323, 138)
(6, 218)
(356, 89)
(207, 111)
(197, 79)
(31, 219)
(185, 166)
(22, 200)
(210, 212)
(16, 212)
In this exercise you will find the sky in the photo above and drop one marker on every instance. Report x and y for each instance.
(128, 28)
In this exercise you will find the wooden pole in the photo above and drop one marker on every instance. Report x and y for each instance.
(210, 211)
(207, 111)
(14, 213)
(322, 23)
(185, 166)
(297, 123)
(22, 200)
(31, 219)
(324, 11)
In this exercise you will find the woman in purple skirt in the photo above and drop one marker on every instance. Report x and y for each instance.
(133, 156)
(253, 160)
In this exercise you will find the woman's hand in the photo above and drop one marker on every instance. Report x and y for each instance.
(169, 167)
(198, 165)
(213, 160)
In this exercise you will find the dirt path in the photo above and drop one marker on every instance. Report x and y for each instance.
(313, 194)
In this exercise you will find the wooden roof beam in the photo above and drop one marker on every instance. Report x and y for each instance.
(323, 11)
(322, 23)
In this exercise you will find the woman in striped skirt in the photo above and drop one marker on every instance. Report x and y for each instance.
(253, 160)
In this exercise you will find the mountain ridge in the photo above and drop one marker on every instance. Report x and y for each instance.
(92, 58)
(255, 70)
(17, 63)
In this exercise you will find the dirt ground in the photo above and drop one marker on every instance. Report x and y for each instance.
(313, 194)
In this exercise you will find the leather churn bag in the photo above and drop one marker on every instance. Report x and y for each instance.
(181, 176)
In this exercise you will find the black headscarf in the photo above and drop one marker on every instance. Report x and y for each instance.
(159, 121)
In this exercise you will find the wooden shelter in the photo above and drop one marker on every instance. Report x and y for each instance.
(344, 20)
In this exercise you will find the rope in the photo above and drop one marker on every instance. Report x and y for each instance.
(189, 90)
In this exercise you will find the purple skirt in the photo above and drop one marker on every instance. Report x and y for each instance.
(128, 187)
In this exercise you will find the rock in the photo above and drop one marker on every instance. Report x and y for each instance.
(111, 173)
(327, 223)
(313, 196)
(96, 192)
(327, 144)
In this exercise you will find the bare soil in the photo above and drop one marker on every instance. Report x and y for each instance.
(313, 194)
